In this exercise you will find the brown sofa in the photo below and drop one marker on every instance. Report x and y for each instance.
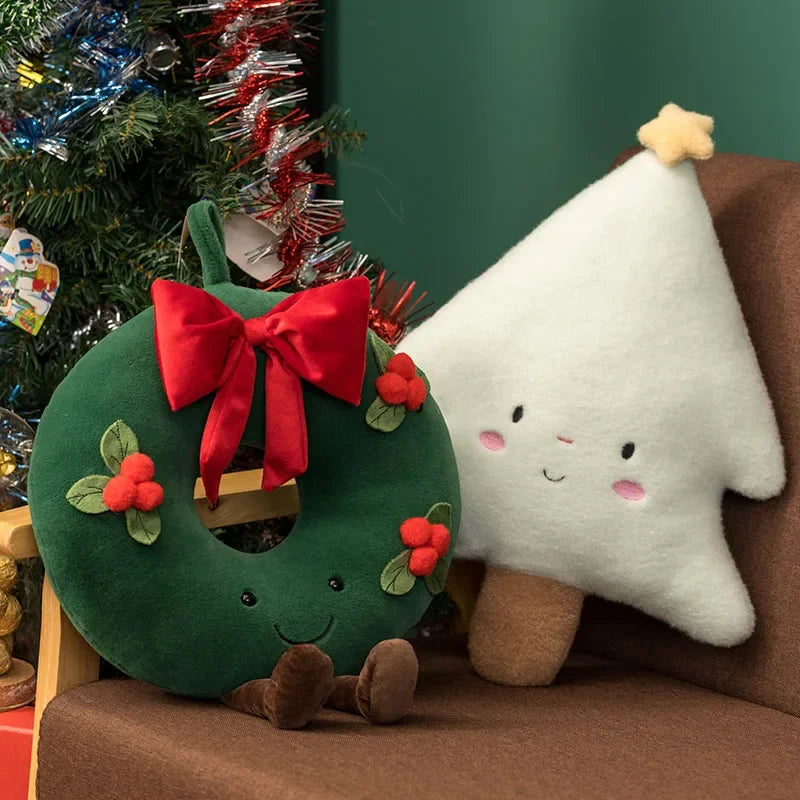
(666, 718)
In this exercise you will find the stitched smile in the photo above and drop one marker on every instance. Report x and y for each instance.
(303, 641)
(553, 480)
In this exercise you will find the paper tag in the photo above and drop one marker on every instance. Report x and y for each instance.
(28, 283)
(243, 234)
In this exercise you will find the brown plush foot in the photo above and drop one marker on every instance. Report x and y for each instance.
(522, 627)
(384, 690)
(297, 690)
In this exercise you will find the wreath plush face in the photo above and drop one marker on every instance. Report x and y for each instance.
(150, 587)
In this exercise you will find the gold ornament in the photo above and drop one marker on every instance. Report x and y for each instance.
(6, 652)
(5, 657)
(8, 573)
(9, 622)
(7, 463)
(30, 74)
(3, 603)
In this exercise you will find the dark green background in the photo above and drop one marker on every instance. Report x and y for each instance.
(485, 115)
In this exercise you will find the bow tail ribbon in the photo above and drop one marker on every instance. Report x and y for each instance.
(227, 420)
(286, 447)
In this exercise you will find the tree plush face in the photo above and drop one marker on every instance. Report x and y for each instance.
(188, 613)
(495, 442)
(599, 481)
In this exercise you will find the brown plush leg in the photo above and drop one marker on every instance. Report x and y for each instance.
(522, 627)
(384, 690)
(343, 694)
(297, 690)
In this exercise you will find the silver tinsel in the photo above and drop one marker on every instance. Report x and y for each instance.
(16, 442)
(98, 325)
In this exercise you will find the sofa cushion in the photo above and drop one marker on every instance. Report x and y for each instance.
(755, 204)
(603, 731)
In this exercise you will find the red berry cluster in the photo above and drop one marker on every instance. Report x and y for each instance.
(134, 486)
(429, 541)
(400, 384)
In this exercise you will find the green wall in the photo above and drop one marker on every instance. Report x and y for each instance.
(485, 116)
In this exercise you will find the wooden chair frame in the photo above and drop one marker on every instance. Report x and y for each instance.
(66, 660)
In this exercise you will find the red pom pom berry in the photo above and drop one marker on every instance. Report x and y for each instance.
(416, 393)
(119, 493)
(137, 467)
(402, 365)
(149, 495)
(423, 561)
(415, 532)
(392, 388)
(440, 538)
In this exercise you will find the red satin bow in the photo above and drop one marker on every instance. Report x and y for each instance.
(202, 345)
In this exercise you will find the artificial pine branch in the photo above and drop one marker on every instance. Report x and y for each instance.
(150, 15)
(110, 216)
(25, 24)
(340, 135)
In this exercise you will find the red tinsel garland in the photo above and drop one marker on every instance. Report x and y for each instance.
(269, 125)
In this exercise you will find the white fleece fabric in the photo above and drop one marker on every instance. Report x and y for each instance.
(602, 392)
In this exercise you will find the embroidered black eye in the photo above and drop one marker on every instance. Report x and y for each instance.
(335, 584)
(517, 415)
(627, 450)
(249, 599)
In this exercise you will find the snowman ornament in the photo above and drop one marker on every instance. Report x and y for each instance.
(31, 287)
(28, 282)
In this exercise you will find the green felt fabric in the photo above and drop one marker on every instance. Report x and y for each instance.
(205, 224)
(171, 613)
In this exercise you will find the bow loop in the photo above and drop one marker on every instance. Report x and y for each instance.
(302, 324)
(208, 332)
(204, 346)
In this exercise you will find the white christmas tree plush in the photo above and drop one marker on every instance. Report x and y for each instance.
(602, 392)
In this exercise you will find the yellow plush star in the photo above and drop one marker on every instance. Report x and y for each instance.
(676, 134)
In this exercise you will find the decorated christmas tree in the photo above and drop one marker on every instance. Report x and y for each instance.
(115, 116)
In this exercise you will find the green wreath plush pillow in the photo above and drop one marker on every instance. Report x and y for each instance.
(116, 458)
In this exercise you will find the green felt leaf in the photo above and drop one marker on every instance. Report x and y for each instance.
(424, 379)
(396, 578)
(143, 526)
(385, 417)
(440, 513)
(380, 350)
(87, 494)
(437, 579)
(117, 442)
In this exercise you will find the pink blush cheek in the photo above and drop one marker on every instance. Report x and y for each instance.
(628, 490)
(493, 441)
